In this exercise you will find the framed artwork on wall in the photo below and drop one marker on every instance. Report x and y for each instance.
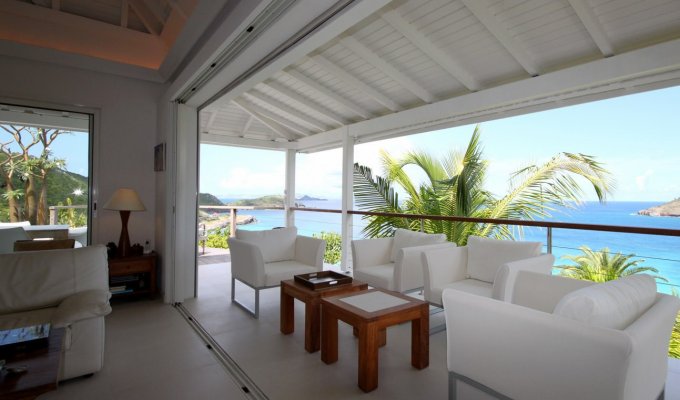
(159, 157)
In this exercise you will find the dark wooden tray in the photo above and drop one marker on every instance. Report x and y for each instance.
(322, 279)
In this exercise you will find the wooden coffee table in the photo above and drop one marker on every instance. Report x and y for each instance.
(290, 289)
(42, 370)
(370, 313)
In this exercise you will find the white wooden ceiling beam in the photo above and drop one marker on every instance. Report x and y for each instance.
(324, 91)
(593, 26)
(351, 80)
(273, 125)
(145, 16)
(124, 13)
(211, 120)
(154, 7)
(512, 45)
(401, 78)
(286, 109)
(247, 125)
(290, 125)
(437, 55)
(298, 98)
(226, 140)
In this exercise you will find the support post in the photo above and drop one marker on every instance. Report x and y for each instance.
(549, 240)
(347, 196)
(232, 222)
(289, 193)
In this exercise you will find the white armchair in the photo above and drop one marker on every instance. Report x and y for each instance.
(262, 259)
(485, 267)
(9, 235)
(394, 263)
(560, 339)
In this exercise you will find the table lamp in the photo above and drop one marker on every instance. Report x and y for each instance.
(124, 200)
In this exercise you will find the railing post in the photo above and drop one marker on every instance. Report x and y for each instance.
(549, 240)
(232, 222)
(53, 216)
(422, 225)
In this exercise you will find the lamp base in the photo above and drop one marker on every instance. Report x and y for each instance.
(124, 240)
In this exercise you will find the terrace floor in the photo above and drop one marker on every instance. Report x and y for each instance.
(152, 353)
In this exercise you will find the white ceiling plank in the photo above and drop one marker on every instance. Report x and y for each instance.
(324, 91)
(273, 125)
(145, 16)
(401, 78)
(56, 5)
(246, 126)
(512, 45)
(593, 26)
(213, 138)
(295, 96)
(437, 55)
(290, 125)
(355, 82)
(211, 120)
(124, 12)
(284, 108)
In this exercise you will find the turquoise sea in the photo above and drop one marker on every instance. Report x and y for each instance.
(661, 252)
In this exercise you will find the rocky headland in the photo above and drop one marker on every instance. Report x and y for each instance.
(670, 209)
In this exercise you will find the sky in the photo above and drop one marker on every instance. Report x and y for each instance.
(636, 137)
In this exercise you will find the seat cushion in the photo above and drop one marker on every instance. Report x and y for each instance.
(485, 256)
(472, 286)
(275, 244)
(405, 238)
(26, 318)
(278, 271)
(614, 304)
(378, 276)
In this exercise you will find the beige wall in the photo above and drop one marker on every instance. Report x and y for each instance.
(126, 131)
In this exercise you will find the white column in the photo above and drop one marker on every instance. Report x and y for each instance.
(347, 196)
(289, 193)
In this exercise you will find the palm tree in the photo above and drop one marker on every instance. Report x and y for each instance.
(602, 266)
(454, 186)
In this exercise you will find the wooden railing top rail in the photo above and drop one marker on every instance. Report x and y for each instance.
(541, 224)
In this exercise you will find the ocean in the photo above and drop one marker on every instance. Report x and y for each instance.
(660, 252)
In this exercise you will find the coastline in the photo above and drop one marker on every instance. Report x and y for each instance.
(222, 221)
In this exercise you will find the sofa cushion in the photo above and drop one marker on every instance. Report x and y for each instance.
(82, 305)
(614, 304)
(276, 272)
(381, 276)
(26, 318)
(405, 238)
(275, 244)
(485, 256)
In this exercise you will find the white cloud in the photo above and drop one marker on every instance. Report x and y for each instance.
(641, 180)
(246, 182)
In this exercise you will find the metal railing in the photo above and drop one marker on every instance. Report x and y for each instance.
(54, 212)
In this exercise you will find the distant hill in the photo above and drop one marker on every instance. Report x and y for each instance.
(309, 198)
(207, 199)
(670, 209)
(264, 201)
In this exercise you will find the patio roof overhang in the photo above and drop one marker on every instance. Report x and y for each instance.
(383, 69)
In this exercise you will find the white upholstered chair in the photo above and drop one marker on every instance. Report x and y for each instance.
(560, 339)
(394, 263)
(262, 259)
(485, 267)
(9, 235)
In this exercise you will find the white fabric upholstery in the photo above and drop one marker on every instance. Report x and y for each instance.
(281, 270)
(449, 267)
(275, 244)
(485, 256)
(9, 235)
(542, 292)
(524, 353)
(614, 304)
(394, 263)
(68, 288)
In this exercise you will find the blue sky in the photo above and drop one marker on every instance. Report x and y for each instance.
(636, 137)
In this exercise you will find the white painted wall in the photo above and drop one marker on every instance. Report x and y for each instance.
(126, 131)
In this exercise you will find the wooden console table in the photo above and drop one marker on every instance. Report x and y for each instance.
(137, 274)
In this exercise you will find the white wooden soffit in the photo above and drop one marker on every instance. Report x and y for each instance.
(593, 26)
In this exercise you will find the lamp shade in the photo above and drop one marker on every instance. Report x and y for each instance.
(125, 199)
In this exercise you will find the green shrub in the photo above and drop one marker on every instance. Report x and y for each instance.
(333, 253)
(217, 239)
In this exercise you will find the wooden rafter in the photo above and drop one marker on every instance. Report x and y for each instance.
(272, 116)
(124, 13)
(145, 15)
(300, 99)
(246, 126)
(286, 109)
(273, 125)
(593, 26)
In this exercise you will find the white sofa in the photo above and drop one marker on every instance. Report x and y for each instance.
(560, 339)
(394, 263)
(262, 259)
(67, 288)
(485, 267)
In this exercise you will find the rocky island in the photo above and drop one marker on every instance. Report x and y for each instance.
(670, 209)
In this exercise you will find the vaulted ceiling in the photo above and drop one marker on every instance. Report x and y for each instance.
(412, 54)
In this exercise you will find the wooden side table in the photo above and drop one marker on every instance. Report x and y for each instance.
(291, 289)
(369, 322)
(133, 276)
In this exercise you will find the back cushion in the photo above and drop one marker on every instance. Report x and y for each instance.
(405, 238)
(485, 256)
(614, 304)
(275, 244)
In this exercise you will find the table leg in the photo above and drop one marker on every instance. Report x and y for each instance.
(420, 340)
(329, 336)
(382, 335)
(369, 338)
(287, 313)
(312, 326)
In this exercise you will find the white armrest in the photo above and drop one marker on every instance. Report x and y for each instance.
(247, 263)
(442, 266)
(504, 282)
(529, 354)
(82, 305)
(310, 251)
(408, 267)
(371, 252)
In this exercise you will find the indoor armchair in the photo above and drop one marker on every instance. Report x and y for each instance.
(262, 259)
